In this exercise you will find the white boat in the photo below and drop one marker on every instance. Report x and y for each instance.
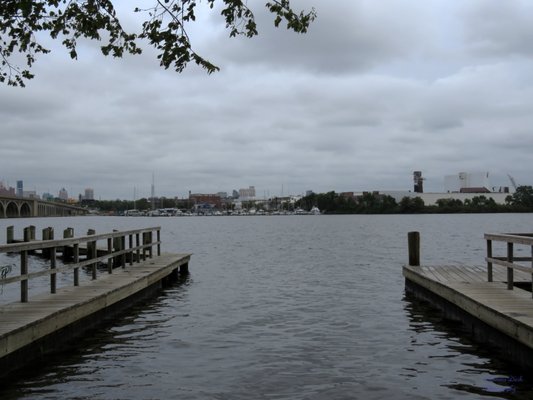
(133, 213)
(315, 211)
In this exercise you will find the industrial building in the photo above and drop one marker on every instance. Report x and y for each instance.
(462, 186)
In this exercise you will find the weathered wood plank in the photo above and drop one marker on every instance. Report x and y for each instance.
(509, 311)
(23, 323)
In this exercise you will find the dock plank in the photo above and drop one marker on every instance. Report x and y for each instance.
(23, 323)
(509, 311)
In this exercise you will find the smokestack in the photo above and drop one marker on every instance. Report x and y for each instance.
(418, 182)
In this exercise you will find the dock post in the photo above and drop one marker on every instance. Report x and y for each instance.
(32, 232)
(117, 246)
(151, 248)
(53, 276)
(110, 259)
(123, 247)
(24, 265)
(137, 244)
(158, 242)
(68, 254)
(130, 254)
(91, 252)
(10, 234)
(510, 271)
(489, 264)
(413, 241)
(184, 269)
(29, 235)
(24, 271)
(48, 234)
(76, 259)
(147, 240)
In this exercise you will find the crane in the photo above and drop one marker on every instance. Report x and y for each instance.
(512, 181)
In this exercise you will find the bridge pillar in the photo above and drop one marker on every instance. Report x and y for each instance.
(34, 208)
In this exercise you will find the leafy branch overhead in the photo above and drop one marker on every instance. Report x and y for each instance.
(22, 23)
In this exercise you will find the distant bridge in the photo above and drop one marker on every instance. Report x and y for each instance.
(17, 207)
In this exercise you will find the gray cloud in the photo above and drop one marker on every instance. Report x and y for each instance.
(499, 29)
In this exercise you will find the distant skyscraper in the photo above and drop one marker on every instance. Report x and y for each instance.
(247, 194)
(20, 189)
(418, 182)
(89, 194)
(63, 194)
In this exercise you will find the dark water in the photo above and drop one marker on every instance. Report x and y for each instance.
(302, 307)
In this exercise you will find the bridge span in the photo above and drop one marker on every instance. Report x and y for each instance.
(17, 207)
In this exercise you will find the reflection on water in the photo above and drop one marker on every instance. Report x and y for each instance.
(449, 339)
(114, 345)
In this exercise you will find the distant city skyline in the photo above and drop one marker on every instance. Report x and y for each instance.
(252, 192)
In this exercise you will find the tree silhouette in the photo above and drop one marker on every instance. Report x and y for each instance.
(22, 23)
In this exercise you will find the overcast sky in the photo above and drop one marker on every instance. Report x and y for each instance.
(374, 91)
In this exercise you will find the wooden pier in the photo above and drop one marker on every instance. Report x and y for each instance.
(494, 301)
(44, 322)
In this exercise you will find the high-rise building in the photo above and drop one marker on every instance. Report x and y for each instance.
(20, 189)
(418, 182)
(63, 194)
(89, 194)
(247, 194)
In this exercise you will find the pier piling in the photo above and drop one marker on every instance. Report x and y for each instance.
(10, 234)
(413, 239)
(48, 234)
(68, 253)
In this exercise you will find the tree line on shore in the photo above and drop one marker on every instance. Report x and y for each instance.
(368, 203)
(375, 203)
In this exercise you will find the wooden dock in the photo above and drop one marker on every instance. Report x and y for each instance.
(494, 304)
(44, 322)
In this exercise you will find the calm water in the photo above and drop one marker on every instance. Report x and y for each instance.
(303, 307)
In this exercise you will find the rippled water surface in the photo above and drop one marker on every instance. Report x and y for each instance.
(295, 307)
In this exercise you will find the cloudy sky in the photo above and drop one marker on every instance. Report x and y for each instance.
(374, 91)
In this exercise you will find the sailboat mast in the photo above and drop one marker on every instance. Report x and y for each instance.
(153, 192)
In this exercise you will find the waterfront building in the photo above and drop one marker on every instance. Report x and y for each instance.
(200, 200)
(430, 199)
(89, 194)
(467, 182)
(247, 194)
